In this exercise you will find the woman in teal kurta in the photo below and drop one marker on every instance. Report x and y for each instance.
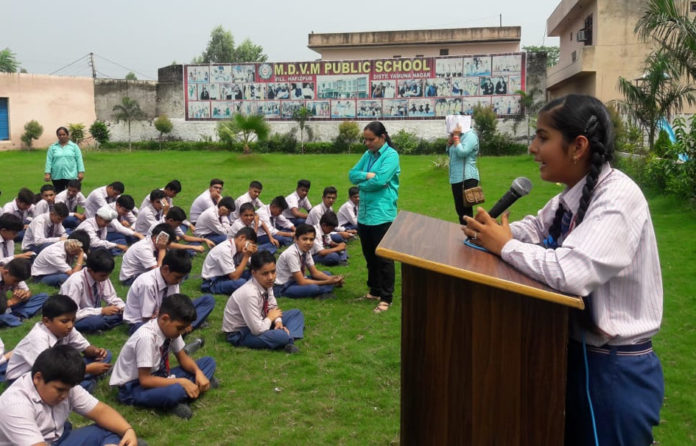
(63, 161)
(462, 148)
(377, 178)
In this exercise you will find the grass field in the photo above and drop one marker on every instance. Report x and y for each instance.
(343, 386)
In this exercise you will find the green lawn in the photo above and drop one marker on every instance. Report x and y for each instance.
(343, 386)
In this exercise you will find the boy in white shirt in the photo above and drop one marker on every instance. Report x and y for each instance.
(72, 197)
(45, 229)
(48, 197)
(273, 227)
(296, 202)
(328, 198)
(146, 254)
(102, 196)
(326, 251)
(54, 264)
(153, 213)
(21, 304)
(208, 198)
(251, 196)
(10, 226)
(120, 229)
(22, 207)
(224, 268)
(348, 212)
(214, 222)
(95, 227)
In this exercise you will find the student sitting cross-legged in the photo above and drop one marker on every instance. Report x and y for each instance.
(298, 203)
(145, 295)
(325, 250)
(252, 317)
(48, 198)
(224, 268)
(348, 212)
(57, 327)
(23, 208)
(54, 264)
(142, 373)
(146, 254)
(89, 288)
(214, 222)
(72, 197)
(36, 406)
(96, 228)
(21, 303)
(10, 226)
(176, 219)
(293, 265)
(45, 229)
(248, 219)
(273, 227)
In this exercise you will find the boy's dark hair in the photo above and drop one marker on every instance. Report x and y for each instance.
(156, 194)
(100, 260)
(11, 222)
(118, 187)
(81, 236)
(304, 183)
(179, 308)
(20, 269)
(353, 191)
(164, 227)
(256, 185)
(77, 184)
(46, 187)
(215, 181)
(176, 213)
(57, 305)
(280, 202)
(247, 232)
(227, 202)
(329, 190)
(329, 219)
(60, 363)
(259, 259)
(126, 202)
(303, 229)
(25, 196)
(246, 207)
(60, 209)
(178, 261)
(174, 185)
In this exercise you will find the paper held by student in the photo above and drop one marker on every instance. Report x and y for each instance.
(452, 121)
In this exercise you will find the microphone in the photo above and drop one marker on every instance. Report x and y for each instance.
(519, 188)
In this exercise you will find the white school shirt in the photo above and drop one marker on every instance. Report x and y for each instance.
(220, 260)
(146, 203)
(264, 213)
(612, 254)
(96, 199)
(116, 224)
(239, 224)
(289, 262)
(321, 240)
(245, 309)
(147, 217)
(140, 257)
(36, 341)
(41, 208)
(11, 208)
(80, 288)
(294, 201)
(71, 202)
(37, 232)
(7, 250)
(200, 204)
(142, 350)
(145, 296)
(28, 420)
(210, 222)
(177, 231)
(52, 260)
(97, 235)
(348, 214)
(245, 198)
(316, 213)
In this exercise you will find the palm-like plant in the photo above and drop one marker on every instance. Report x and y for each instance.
(243, 129)
(128, 110)
(530, 105)
(301, 116)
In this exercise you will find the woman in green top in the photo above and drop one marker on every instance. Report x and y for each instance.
(377, 178)
(462, 148)
(63, 161)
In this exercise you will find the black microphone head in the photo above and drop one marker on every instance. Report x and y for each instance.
(521, 186)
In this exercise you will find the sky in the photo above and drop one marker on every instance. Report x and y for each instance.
(51, 37)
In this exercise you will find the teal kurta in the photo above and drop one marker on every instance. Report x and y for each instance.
(64, 162)
(462, 158)
(379, 194)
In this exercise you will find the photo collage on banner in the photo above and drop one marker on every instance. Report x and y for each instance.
(418, 88)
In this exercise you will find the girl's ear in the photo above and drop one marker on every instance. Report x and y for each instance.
(580, 149)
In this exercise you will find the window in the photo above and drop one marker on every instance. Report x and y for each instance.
(588, 30)
(692, 7)
(445, 51)
(4, 120)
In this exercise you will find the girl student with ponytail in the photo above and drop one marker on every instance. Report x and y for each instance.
(376, 175)
(595, 239)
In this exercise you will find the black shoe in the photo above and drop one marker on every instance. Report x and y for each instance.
(182, 410)
(291, 348)
(214, 383)
(193, 346)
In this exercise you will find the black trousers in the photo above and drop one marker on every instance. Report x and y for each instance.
(458, 194)
(380, 271)
(60, 185)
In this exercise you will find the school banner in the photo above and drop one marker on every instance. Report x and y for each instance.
(417, 88)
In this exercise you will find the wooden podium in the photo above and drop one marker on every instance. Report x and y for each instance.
(483, 347)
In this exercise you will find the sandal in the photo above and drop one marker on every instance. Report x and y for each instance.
(381, 307)
(368, 296)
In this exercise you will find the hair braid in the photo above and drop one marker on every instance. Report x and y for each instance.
(555, 229)
(597, 160)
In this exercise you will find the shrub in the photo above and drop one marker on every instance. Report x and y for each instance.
(32, 130)
(348, 134)
(662, 145)
(485, 121)
(499, 144)
(243, 129)
(405, 142)
(164, 126)
(100, 132)
(279, 142)
(77, 132)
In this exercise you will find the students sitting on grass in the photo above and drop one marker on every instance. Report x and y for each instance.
(328, 198)
(296, 275)
(248, 219)
(95, 227)
(142, 373)
(209, 197)
(36, 406)
(102, 196)
(21, 303)
(250, 196)
(348, 212)
(72, 197)
(297, 201)
(224, 268)
(45, 229)
(325, 250)
(153, 213)
(214, 222)
(176, 218)
(121, 229)
(10, 226)
(54, 264)
(23, 208)
(48, 198)
(146, 254)
(252, 317)
(273, 227)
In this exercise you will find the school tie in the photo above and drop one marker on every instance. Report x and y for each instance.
(273, 222)
(355, 210)
(5, 249)
(565, 222)
(95, 293)
(163, 369)
(265, 304)
(303, 260)
(50, 230)
(71, 204)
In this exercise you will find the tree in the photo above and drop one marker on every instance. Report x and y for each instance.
(221, 49)
(552, 53)
(77, 132)
(249, 52)
(100, 132)
(8, 61)
(128, 110)
(243, 129)
(348, 134)
(301, 116)
(163, 125)
(656, 95)
(131, 77)
(32, 130)
(530, 104)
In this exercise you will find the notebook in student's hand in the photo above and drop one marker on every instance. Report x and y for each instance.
(452, 121)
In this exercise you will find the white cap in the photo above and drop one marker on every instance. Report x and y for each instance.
(107, 212)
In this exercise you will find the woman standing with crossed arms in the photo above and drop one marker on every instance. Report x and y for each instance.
(377, 178)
